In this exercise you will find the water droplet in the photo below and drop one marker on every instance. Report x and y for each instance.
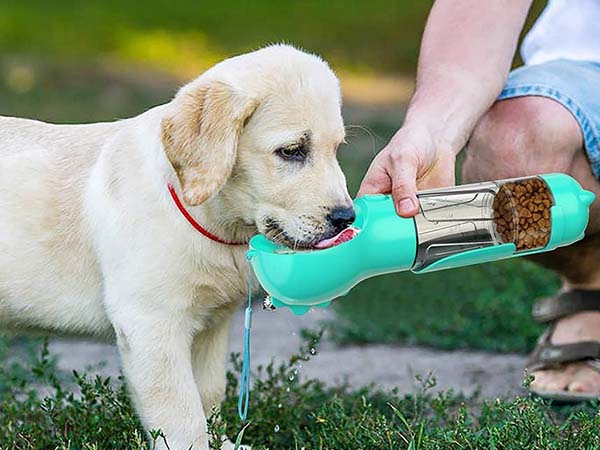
(276, 429)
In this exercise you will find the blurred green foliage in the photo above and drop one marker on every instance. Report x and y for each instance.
(77, 93)
(375, 35)
(187, 36)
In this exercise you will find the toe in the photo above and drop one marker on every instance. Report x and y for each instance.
(585, 380)
(539, 378)
(552, 379)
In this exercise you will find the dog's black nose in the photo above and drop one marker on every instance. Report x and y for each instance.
(341, 218)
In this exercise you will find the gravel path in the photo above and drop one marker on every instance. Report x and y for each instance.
(277, 335)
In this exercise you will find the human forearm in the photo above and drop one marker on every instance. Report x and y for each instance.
(466, 53)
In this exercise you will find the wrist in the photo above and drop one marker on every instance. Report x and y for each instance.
(450, 105)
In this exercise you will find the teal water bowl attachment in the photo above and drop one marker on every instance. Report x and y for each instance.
(385, 243)
(455, 227)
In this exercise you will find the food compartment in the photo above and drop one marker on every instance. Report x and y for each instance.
(478, 216)
(522, 213)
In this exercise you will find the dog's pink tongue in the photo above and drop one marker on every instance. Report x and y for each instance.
(340, 238)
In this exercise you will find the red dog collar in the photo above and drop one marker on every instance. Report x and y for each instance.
(195, 224)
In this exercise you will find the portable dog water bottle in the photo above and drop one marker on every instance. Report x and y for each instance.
(455, 227)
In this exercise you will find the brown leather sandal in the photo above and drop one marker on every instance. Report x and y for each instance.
(548, 356)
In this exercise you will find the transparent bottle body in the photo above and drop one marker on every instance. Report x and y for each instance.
(475, 216)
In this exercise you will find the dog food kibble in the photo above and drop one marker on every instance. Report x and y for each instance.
(522, 213)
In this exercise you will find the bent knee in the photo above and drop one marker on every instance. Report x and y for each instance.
(522, 136)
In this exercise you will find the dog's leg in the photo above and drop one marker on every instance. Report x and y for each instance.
(209, 356)
(156, 355)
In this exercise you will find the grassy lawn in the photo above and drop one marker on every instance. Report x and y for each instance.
(77, 411)
(486, 307)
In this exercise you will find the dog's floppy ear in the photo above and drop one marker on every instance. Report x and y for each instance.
(200, 138)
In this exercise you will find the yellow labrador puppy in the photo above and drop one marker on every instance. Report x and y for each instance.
(135, 229)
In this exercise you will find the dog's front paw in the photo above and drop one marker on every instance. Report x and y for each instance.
(228, 445)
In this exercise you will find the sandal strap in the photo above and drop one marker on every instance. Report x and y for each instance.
(594, 364)
(547, 355)
(566, 303)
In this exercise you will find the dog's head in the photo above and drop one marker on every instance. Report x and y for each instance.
(262, 131)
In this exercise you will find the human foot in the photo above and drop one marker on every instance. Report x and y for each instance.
(574, 377)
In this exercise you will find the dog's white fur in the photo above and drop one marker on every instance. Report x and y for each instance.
(91, 243)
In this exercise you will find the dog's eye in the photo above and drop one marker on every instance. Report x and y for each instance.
(295, 152)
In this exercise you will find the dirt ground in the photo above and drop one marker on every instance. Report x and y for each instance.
(276, 334)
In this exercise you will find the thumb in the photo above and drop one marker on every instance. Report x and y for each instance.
(376, 180)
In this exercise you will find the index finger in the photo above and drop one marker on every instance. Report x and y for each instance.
(402, 170)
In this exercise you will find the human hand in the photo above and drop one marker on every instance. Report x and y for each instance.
(414, 158)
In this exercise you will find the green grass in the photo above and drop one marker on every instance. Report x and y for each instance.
(93, 413)
(486, 307)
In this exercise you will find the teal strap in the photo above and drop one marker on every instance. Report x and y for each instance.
(244, 396)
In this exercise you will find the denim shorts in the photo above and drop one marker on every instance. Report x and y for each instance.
(575, 85)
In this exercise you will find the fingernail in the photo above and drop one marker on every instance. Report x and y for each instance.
(406, 206)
